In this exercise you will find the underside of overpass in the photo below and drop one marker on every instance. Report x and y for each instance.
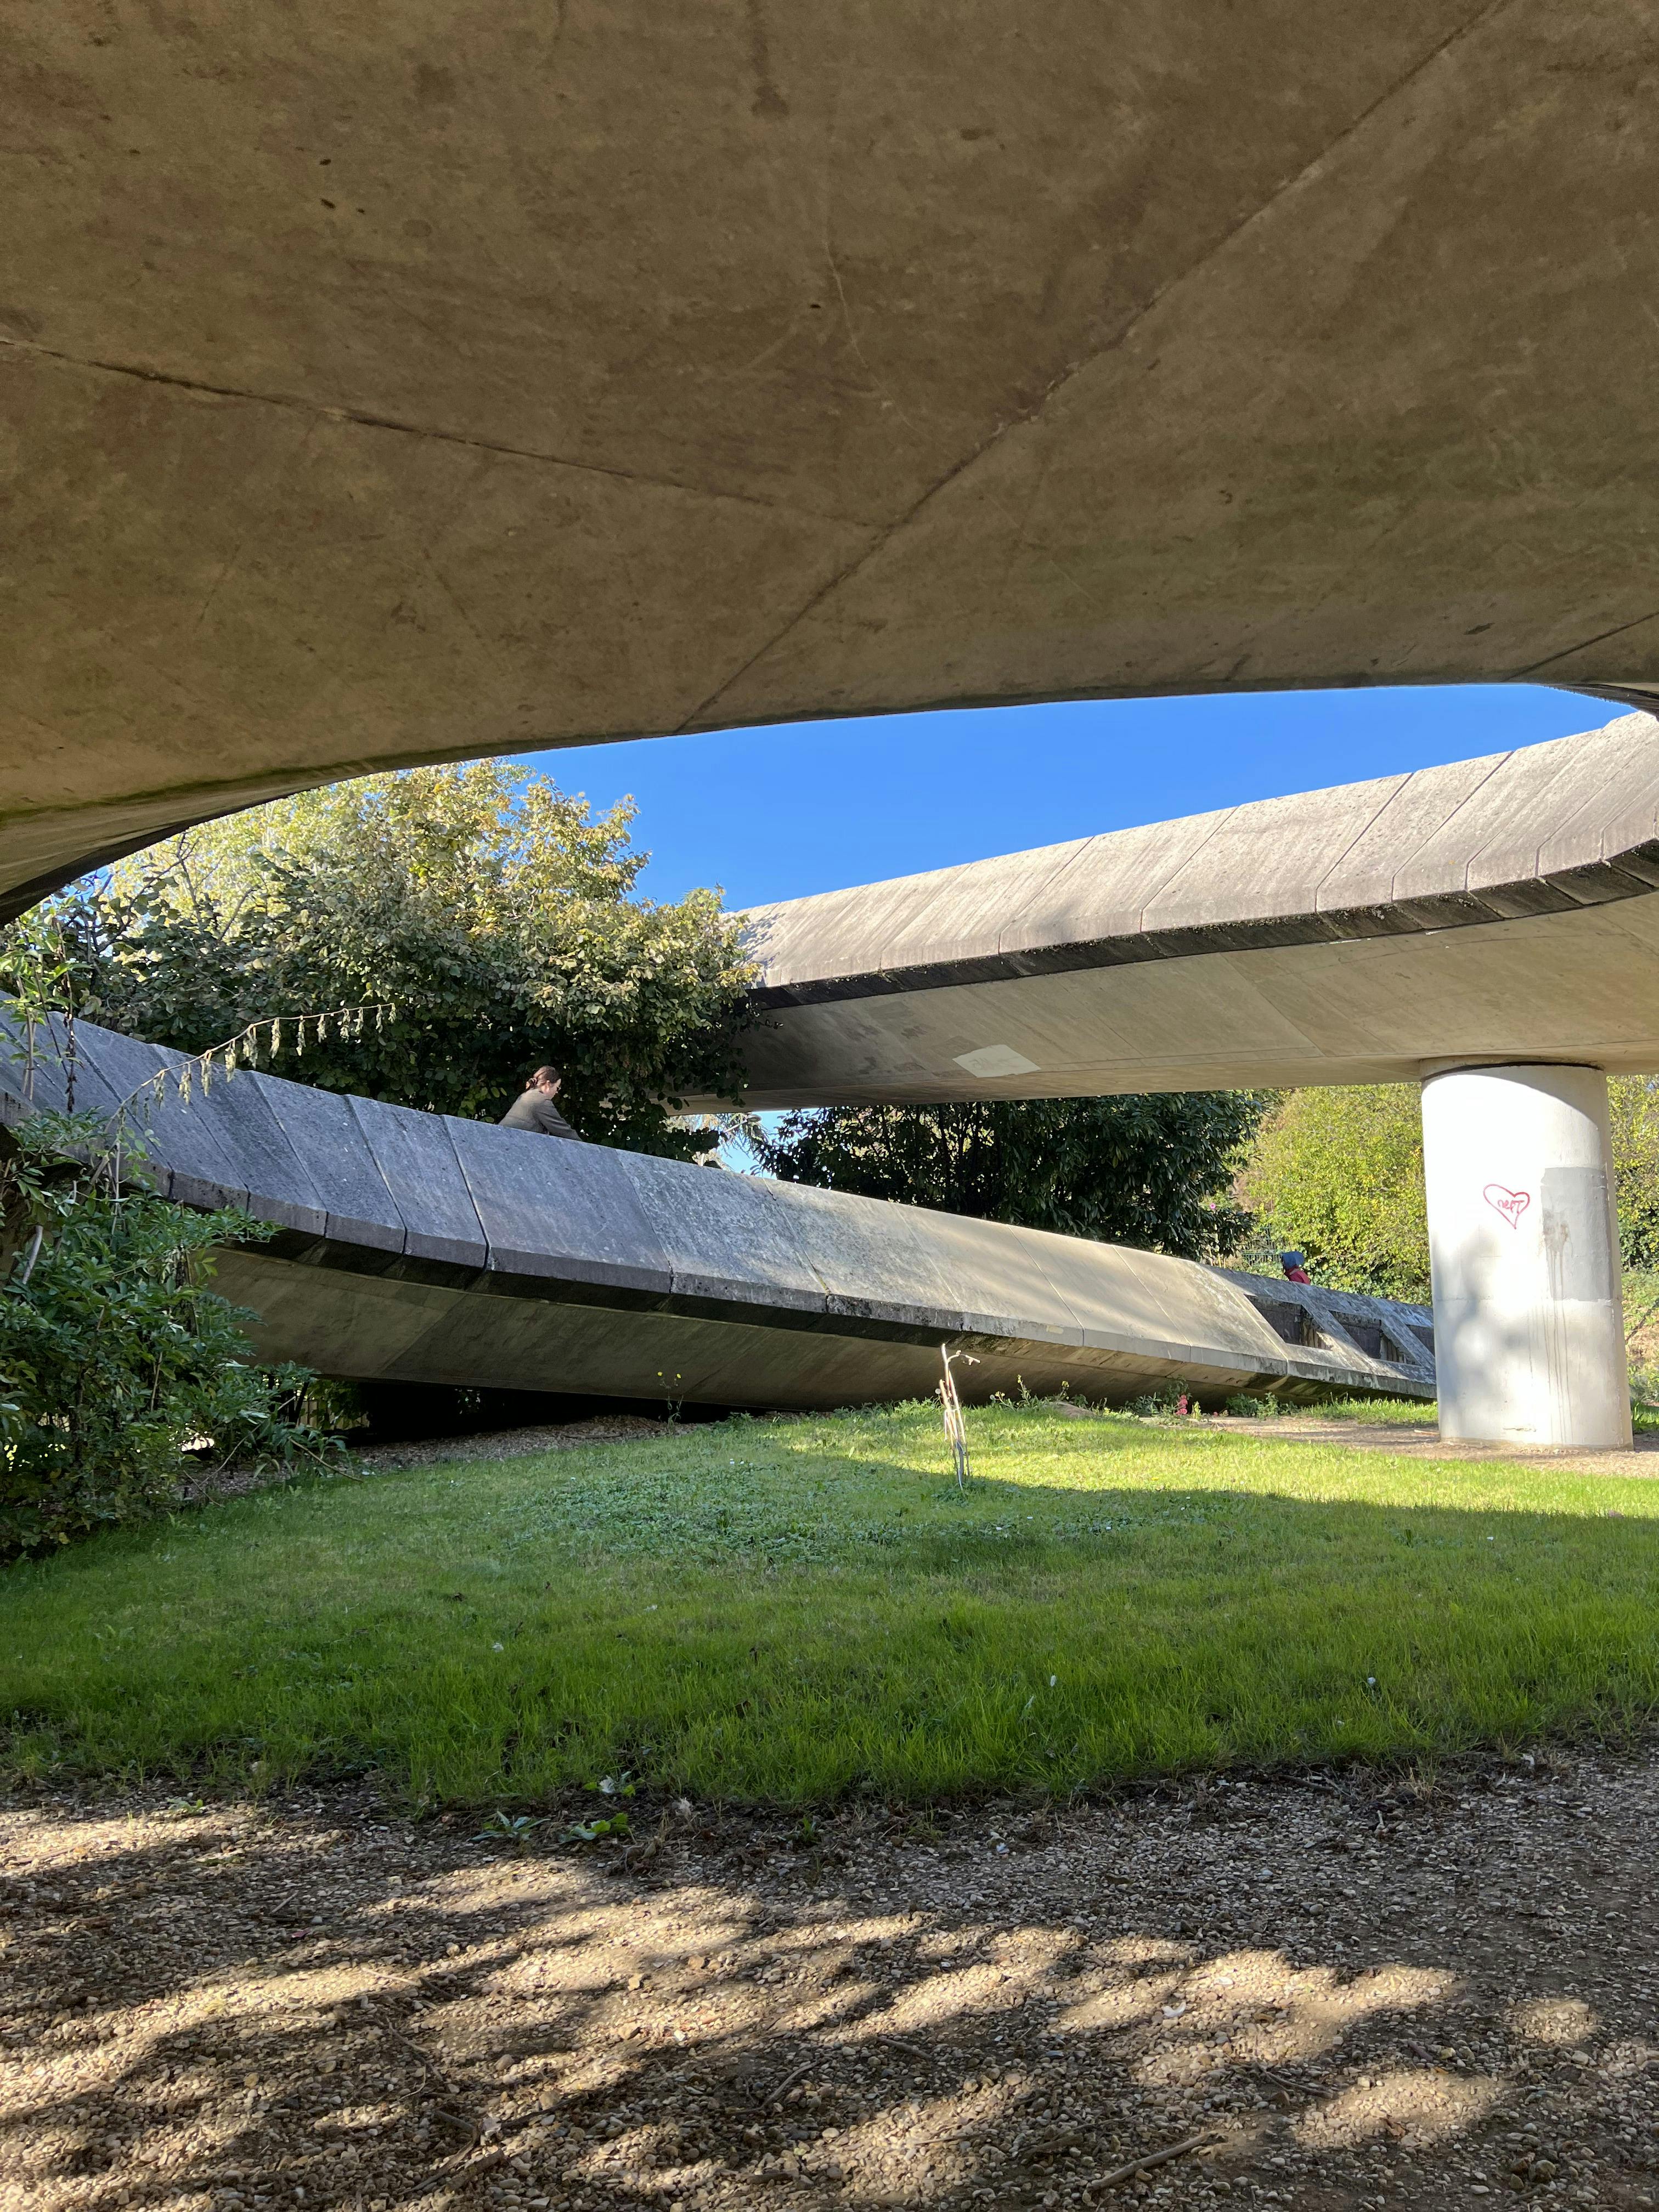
(378, 391)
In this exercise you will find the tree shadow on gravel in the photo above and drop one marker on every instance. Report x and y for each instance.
(1330, 1992)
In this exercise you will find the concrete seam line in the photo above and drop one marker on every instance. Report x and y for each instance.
(1584, 644)
(326, 411)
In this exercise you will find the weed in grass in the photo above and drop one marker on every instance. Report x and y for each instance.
(799, 1610)
(591, 1831)
(516, 1828)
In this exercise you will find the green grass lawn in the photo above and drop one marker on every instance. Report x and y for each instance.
(794, 1610)
(1387, 1412)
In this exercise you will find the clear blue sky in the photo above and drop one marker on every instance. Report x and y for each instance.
(813, 807)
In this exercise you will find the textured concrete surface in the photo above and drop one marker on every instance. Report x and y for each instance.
(1523, 1248)
(532, 375)
(1499, 909)
(419, 1247)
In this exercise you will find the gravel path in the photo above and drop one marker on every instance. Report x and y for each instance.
(1338, 1992)
(1422, 1440)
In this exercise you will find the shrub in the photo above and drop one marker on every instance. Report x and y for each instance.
(116, 1359)
(491, 922)
(1249, 1408)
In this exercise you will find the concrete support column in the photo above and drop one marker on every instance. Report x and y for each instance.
(1523, 1244)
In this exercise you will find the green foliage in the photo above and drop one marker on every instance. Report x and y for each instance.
(1152, 1172)
(490, 913)
(1338, 1173)
(518, 1829)
(1633, 1111)
(115, 1356)
(591, 1831)
(793, 1611)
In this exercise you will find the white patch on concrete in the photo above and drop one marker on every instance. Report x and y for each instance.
(996, 1059)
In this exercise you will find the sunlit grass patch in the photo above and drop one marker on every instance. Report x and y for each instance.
(1390, 1413)
(796, 1610)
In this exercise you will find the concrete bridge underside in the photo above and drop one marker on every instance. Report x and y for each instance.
(379, 392)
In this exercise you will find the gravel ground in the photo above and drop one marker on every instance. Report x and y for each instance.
(1335, 1991)
(1422, 1440)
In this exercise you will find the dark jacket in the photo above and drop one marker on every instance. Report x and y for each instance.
(534, 1109)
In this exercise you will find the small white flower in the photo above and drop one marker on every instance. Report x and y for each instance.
(498, 1647)
(1052, 1680)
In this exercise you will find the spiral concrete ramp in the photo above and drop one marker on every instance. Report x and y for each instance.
(423, 1247)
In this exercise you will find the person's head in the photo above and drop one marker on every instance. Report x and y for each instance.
(547, 1079)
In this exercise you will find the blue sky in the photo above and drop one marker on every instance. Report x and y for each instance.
(813, 807)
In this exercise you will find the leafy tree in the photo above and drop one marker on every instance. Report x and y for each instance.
(116, 1357)
(494, 918)
(1339, 1173)
(1633, 1107)
(1153, 1172)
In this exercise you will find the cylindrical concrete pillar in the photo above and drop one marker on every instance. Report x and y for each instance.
(1523, 1244)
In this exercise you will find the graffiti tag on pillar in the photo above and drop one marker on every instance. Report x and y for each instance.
(1512, 1204)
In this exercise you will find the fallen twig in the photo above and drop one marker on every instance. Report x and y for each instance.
(1284, 2082)
(1154, 2158)
(485, 2165)
(770, 2096)
(641, 1853)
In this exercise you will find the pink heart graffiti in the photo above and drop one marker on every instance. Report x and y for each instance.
(1512, 1204)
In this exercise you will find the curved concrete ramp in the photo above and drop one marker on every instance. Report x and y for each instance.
(419, 1247)
(1501, 909)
